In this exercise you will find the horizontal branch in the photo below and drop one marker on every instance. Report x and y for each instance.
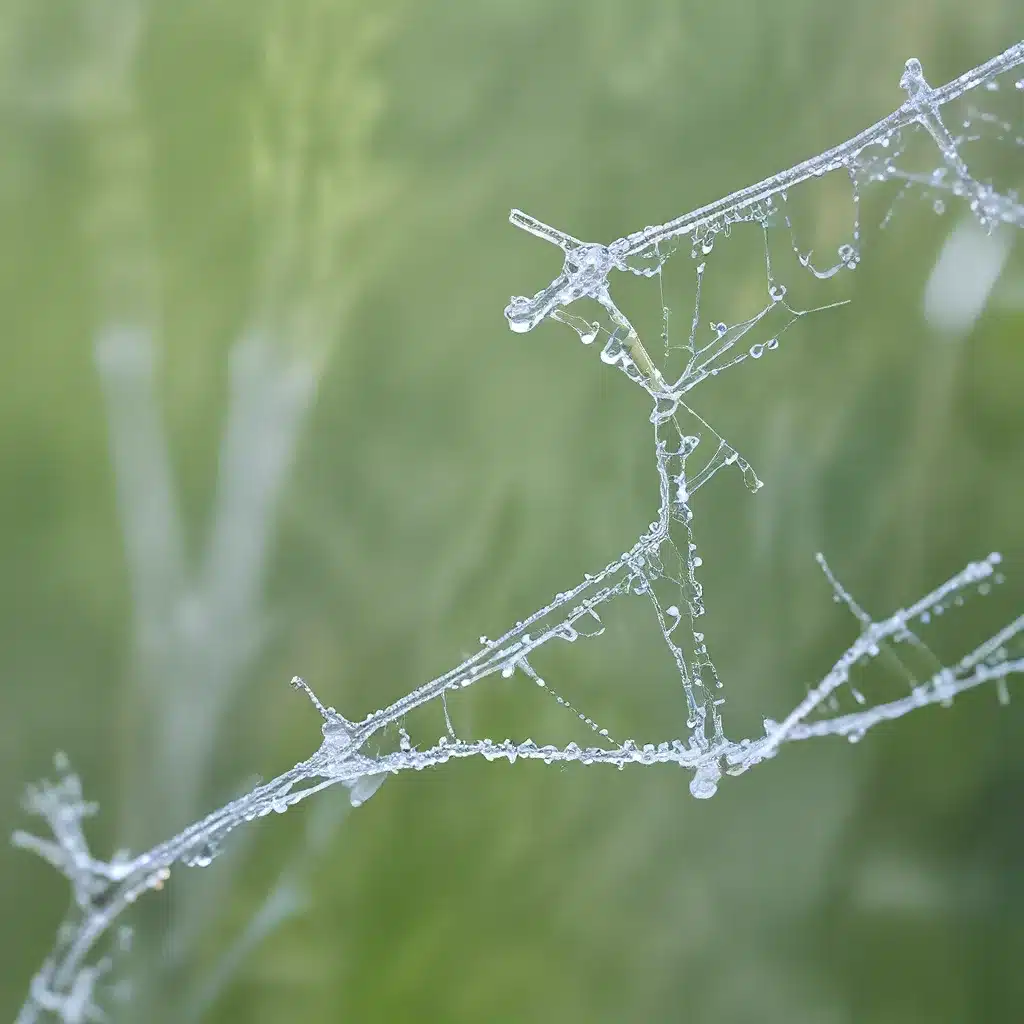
(587, 265)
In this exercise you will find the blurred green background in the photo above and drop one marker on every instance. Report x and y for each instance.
(284, 224)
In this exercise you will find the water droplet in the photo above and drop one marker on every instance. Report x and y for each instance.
(203, 857)
(157, 879)
(777, 292)
(363, 788)
(704, 783)
(939, 206)
(757, 350)
(912, 80)
(587, 337)
(518, 314)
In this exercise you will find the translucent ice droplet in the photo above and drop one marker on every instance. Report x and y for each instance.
(751, 480)
(777, 292)
(912, 79)
(204, 856)
(704, 783)
(517, 314)
(849, 255)
(719, 329)
(363, 788)
(674, 616)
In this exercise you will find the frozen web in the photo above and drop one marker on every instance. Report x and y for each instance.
(927, 148)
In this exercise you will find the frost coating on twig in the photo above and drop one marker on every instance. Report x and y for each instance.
(661, 567)
(588, 264)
